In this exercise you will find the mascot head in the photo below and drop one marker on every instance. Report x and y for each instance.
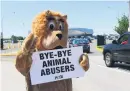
(51, 30)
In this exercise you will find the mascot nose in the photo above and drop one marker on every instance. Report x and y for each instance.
(59, 36)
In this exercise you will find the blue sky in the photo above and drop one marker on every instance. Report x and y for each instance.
(101, 16)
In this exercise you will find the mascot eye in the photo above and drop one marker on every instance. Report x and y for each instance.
(61, 26)
(51, 25)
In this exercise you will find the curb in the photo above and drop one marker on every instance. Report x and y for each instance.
(99, 48)
(10, 54)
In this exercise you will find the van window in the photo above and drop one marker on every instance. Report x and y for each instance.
(124, 39)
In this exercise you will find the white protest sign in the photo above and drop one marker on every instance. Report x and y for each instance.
(53, 65)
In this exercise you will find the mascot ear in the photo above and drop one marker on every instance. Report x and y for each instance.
(65, 16)
(48, 13)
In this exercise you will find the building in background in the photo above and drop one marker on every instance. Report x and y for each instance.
(80, 32)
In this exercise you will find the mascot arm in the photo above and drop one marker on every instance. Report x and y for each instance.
(23, 58)
(84, 61)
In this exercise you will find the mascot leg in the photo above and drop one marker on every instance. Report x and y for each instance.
(28, 83)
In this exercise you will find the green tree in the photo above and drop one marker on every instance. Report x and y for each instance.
(123, 24)
(20, 38)
(14, 38)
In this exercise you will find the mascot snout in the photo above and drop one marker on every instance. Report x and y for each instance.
(59, 36)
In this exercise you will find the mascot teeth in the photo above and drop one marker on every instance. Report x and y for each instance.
(58, 47)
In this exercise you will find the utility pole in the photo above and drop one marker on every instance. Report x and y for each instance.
(1, 35)
(2, 44)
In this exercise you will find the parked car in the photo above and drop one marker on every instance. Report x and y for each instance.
(118, 51)
(70, 42)
(82, 42)
(89, 39)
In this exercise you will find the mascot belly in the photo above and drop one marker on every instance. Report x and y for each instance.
(49, 32)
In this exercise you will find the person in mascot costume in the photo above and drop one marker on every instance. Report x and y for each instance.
(49, 32)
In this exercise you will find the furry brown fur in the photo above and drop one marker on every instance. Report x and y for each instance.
(47, 38)
(49, 31)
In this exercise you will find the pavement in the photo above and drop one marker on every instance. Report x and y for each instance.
(98, 78)
(10, 49)
(9, 52)
(11, 80)
(101, 78)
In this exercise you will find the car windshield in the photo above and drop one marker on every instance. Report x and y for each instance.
(80, 41)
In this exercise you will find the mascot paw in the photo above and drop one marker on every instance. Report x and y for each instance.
(29, 44)
(84, 61)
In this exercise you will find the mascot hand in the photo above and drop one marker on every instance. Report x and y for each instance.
(29, 44)
(23, 58)
(84, 61)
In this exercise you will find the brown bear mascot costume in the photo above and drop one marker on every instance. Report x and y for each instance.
(49, 32)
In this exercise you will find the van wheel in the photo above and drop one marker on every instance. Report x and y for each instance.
(88, 51)
(108, 60)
